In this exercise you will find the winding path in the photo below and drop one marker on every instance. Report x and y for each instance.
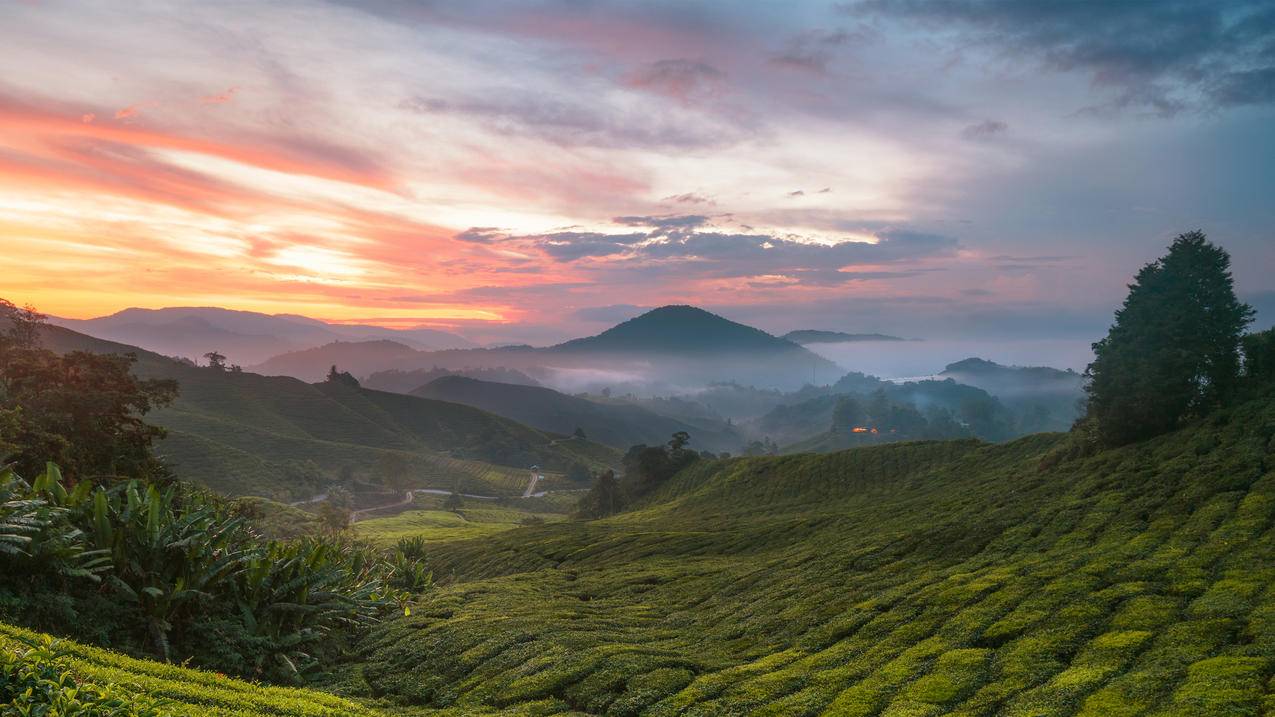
(410, 495)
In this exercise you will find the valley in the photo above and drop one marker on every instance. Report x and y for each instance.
(637, 358)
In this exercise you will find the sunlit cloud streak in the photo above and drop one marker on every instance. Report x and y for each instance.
(508, 167)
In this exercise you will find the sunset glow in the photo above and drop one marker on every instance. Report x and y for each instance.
(538, 164)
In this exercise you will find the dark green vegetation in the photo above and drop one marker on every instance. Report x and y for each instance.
(170, 571)
(646, 469)
(827, 422)
(1042, 398)
(616, 424)
(815, 336)
(242, 433)
(1026, 578)
(972, 398)
(1174, 352)
(78, 408)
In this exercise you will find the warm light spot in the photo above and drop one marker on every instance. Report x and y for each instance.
(317, 260)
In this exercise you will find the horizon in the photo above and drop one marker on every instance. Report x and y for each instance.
(532, 172)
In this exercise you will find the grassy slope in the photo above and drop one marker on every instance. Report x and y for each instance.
(909, 579)
(191, 692)
(441, 526)
(235, 431)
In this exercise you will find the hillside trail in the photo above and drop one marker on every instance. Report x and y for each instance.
(531, 485)
(410, 495)
(312, 499)
(530, 492)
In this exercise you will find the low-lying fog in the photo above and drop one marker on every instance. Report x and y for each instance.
(909, 359)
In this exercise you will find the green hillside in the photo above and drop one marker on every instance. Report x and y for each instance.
(168, 689)
(242, 433)
(909, 579)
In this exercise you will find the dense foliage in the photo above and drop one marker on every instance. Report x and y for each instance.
(80, 409)
(170, 571)
(1173, 353)
(876, 416)
(1259, 355)
(646, 468)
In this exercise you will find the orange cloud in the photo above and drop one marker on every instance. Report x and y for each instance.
(283, 156)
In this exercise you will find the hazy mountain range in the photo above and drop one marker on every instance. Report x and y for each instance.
(816, 336)
(243, 433)
(244, 337)
(668, 349)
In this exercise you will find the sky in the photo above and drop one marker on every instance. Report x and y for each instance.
(532, 171)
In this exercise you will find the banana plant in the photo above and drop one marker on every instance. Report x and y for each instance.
(296, 594)
(169, 554)
(37, 529)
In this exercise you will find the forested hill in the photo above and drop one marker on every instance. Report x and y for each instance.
(242, 433)
(616, 424)
(1029, 578)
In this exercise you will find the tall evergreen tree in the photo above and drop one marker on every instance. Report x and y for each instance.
(1173, 351)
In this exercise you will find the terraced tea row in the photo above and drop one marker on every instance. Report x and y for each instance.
(916, 579)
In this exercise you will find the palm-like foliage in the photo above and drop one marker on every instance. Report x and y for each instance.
(295, 594)
(185, 565)
(37, 531)
(170, 553)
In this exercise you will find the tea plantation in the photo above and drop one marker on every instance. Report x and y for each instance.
(1029, 578)
(41, 676)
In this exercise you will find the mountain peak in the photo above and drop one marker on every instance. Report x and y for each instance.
(679, 328)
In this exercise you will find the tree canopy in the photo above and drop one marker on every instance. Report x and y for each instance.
(1174, 350)
(81, 410)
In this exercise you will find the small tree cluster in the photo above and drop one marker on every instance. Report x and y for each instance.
(646, 468)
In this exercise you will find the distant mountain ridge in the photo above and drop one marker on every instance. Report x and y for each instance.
(673, 345)
(245, 337)
(356, 357)
(241, 433)
(816, 336)
(405, 381)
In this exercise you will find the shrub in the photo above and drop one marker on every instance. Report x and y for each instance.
(190, 578)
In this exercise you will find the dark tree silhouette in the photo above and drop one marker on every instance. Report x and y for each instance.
(216, 361)
(454, 502)
(1259, 355)
(847, 414)
(1173, 352)
(336, 375)
(605, 498)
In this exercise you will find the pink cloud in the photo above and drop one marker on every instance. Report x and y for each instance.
(220, 98)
